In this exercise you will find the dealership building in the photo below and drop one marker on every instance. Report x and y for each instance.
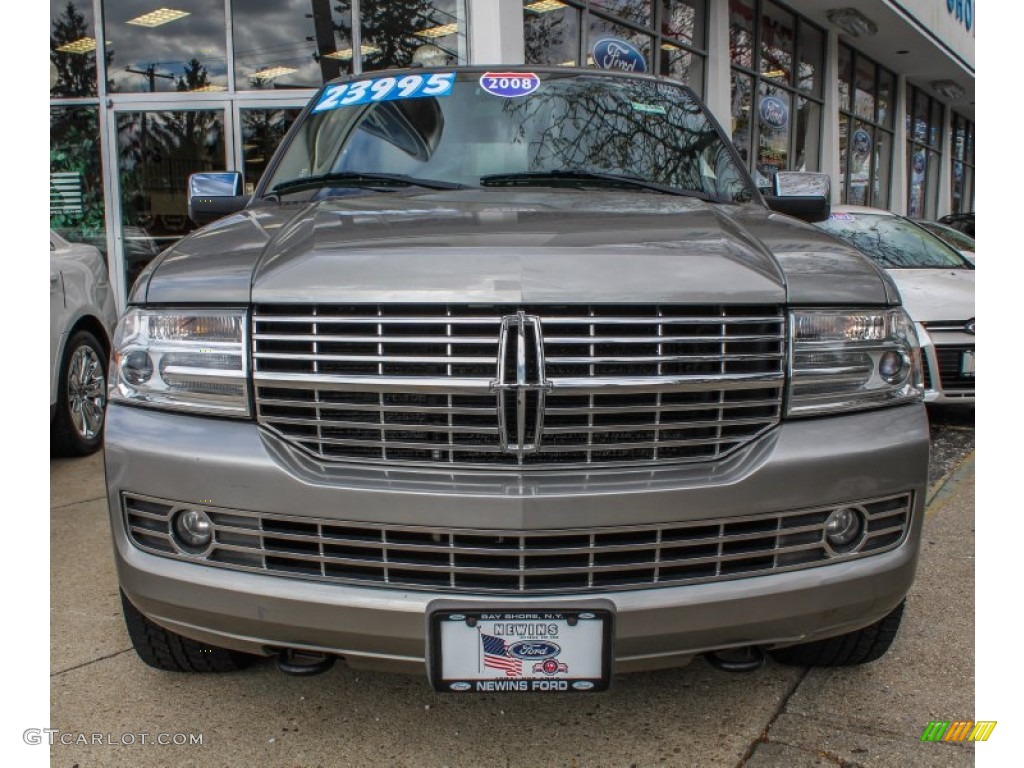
(877, 93)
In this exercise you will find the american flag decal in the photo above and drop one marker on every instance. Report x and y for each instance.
(496, 656)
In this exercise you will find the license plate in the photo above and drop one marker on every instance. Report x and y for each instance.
(520, 650)
(967, 363)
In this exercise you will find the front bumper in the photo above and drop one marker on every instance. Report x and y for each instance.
(233, 465)
(940, 351)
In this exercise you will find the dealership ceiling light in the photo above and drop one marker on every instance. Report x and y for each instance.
(544, 6)
(346, 53)
(443, 31)
(81, 45)
(271, 72)
(158, 17)
(949, 89)
(209, 88)
(853, 22)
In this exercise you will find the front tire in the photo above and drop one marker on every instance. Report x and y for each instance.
(162, 649)
(860, 647)
(77, 428)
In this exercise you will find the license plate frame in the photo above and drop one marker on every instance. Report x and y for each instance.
(545, 665)
(967, 363)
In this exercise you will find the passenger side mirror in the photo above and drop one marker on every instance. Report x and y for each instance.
(214, 195)
(803, 195)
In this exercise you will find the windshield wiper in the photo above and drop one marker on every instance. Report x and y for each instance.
(561, 176)
(363, 179)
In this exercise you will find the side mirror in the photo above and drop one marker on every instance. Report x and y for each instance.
(213, 195)
(803, 195)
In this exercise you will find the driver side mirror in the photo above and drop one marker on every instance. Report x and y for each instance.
(214, 195)
(803, 195)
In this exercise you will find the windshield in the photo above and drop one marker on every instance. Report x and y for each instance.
(893, 242)
(476, 129)
(952, 236)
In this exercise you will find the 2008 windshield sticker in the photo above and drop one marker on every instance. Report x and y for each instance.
(385, 89)
(509, 84)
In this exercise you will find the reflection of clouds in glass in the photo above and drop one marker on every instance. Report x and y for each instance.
(169, 47)
(273, 33)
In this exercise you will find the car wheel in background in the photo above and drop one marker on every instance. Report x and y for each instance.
(860, 647)
(77, 427)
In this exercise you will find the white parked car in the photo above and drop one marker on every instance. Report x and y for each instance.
(954, 237)
(82, 318)
(937, 286)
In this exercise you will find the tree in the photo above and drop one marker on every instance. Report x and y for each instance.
(76, 72)
(389, 27)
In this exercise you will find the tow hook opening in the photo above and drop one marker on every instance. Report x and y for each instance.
(748, 659)
(292, 661)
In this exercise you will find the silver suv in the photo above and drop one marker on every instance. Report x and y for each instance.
(512, 379)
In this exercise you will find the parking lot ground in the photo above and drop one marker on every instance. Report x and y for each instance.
(695, 716)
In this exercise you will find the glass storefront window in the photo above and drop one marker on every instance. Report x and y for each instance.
(680, 64)
(72, 49)
(634, 11)
(809, 71)
(684, 20)
(961, 146)
(398, 33)
(773, 133)
(742, 114)
(262, 131)
(551, 33)
(866, 75)
(741, 33)
(290, 43)
(781, 129)
(157, 151)
(165, 49)
(924, 146)
(76, 176)
(778, 32)
(866, 129)
(600, 28)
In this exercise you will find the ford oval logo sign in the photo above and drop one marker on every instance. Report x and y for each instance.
(774, 112)
(534, 650)
(460, 686)
(582, 685)
(613, 53)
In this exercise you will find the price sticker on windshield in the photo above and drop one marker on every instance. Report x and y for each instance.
(385, 89)
(509, 85)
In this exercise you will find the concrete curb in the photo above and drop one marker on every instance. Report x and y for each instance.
(942, 488)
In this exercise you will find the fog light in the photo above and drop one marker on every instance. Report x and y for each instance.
(193, 529)
(894, 367)
(137, 368)
(843, 528)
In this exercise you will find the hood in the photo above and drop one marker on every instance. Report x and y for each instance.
(936, 294)
(503, 246)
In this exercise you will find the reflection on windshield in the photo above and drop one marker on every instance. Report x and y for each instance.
(893, 242)
(636, 128)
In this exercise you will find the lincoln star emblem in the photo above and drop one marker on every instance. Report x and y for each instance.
(520, 384)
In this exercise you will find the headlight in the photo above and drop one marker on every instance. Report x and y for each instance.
(848, 359)
(185, 359)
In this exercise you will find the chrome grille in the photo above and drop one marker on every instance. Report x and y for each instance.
(541, 561)
(422, 384)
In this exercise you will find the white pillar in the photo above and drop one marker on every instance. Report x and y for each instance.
(898, 188)
(830, 161)
(496, 32)
(717, 94)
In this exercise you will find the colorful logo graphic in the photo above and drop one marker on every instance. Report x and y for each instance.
(958, 730)
(509, 84)
(534, 649)
(613, 53)
(551, 667)
(496, 656)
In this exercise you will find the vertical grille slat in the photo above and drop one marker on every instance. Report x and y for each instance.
(608, 385)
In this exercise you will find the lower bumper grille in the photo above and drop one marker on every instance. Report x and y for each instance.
(464, 560)
(950, 360)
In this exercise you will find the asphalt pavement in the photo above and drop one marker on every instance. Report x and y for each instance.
(106, 703)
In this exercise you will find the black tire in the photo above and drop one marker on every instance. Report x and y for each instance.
(77, 426)
(860, 647)
(166, 650)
